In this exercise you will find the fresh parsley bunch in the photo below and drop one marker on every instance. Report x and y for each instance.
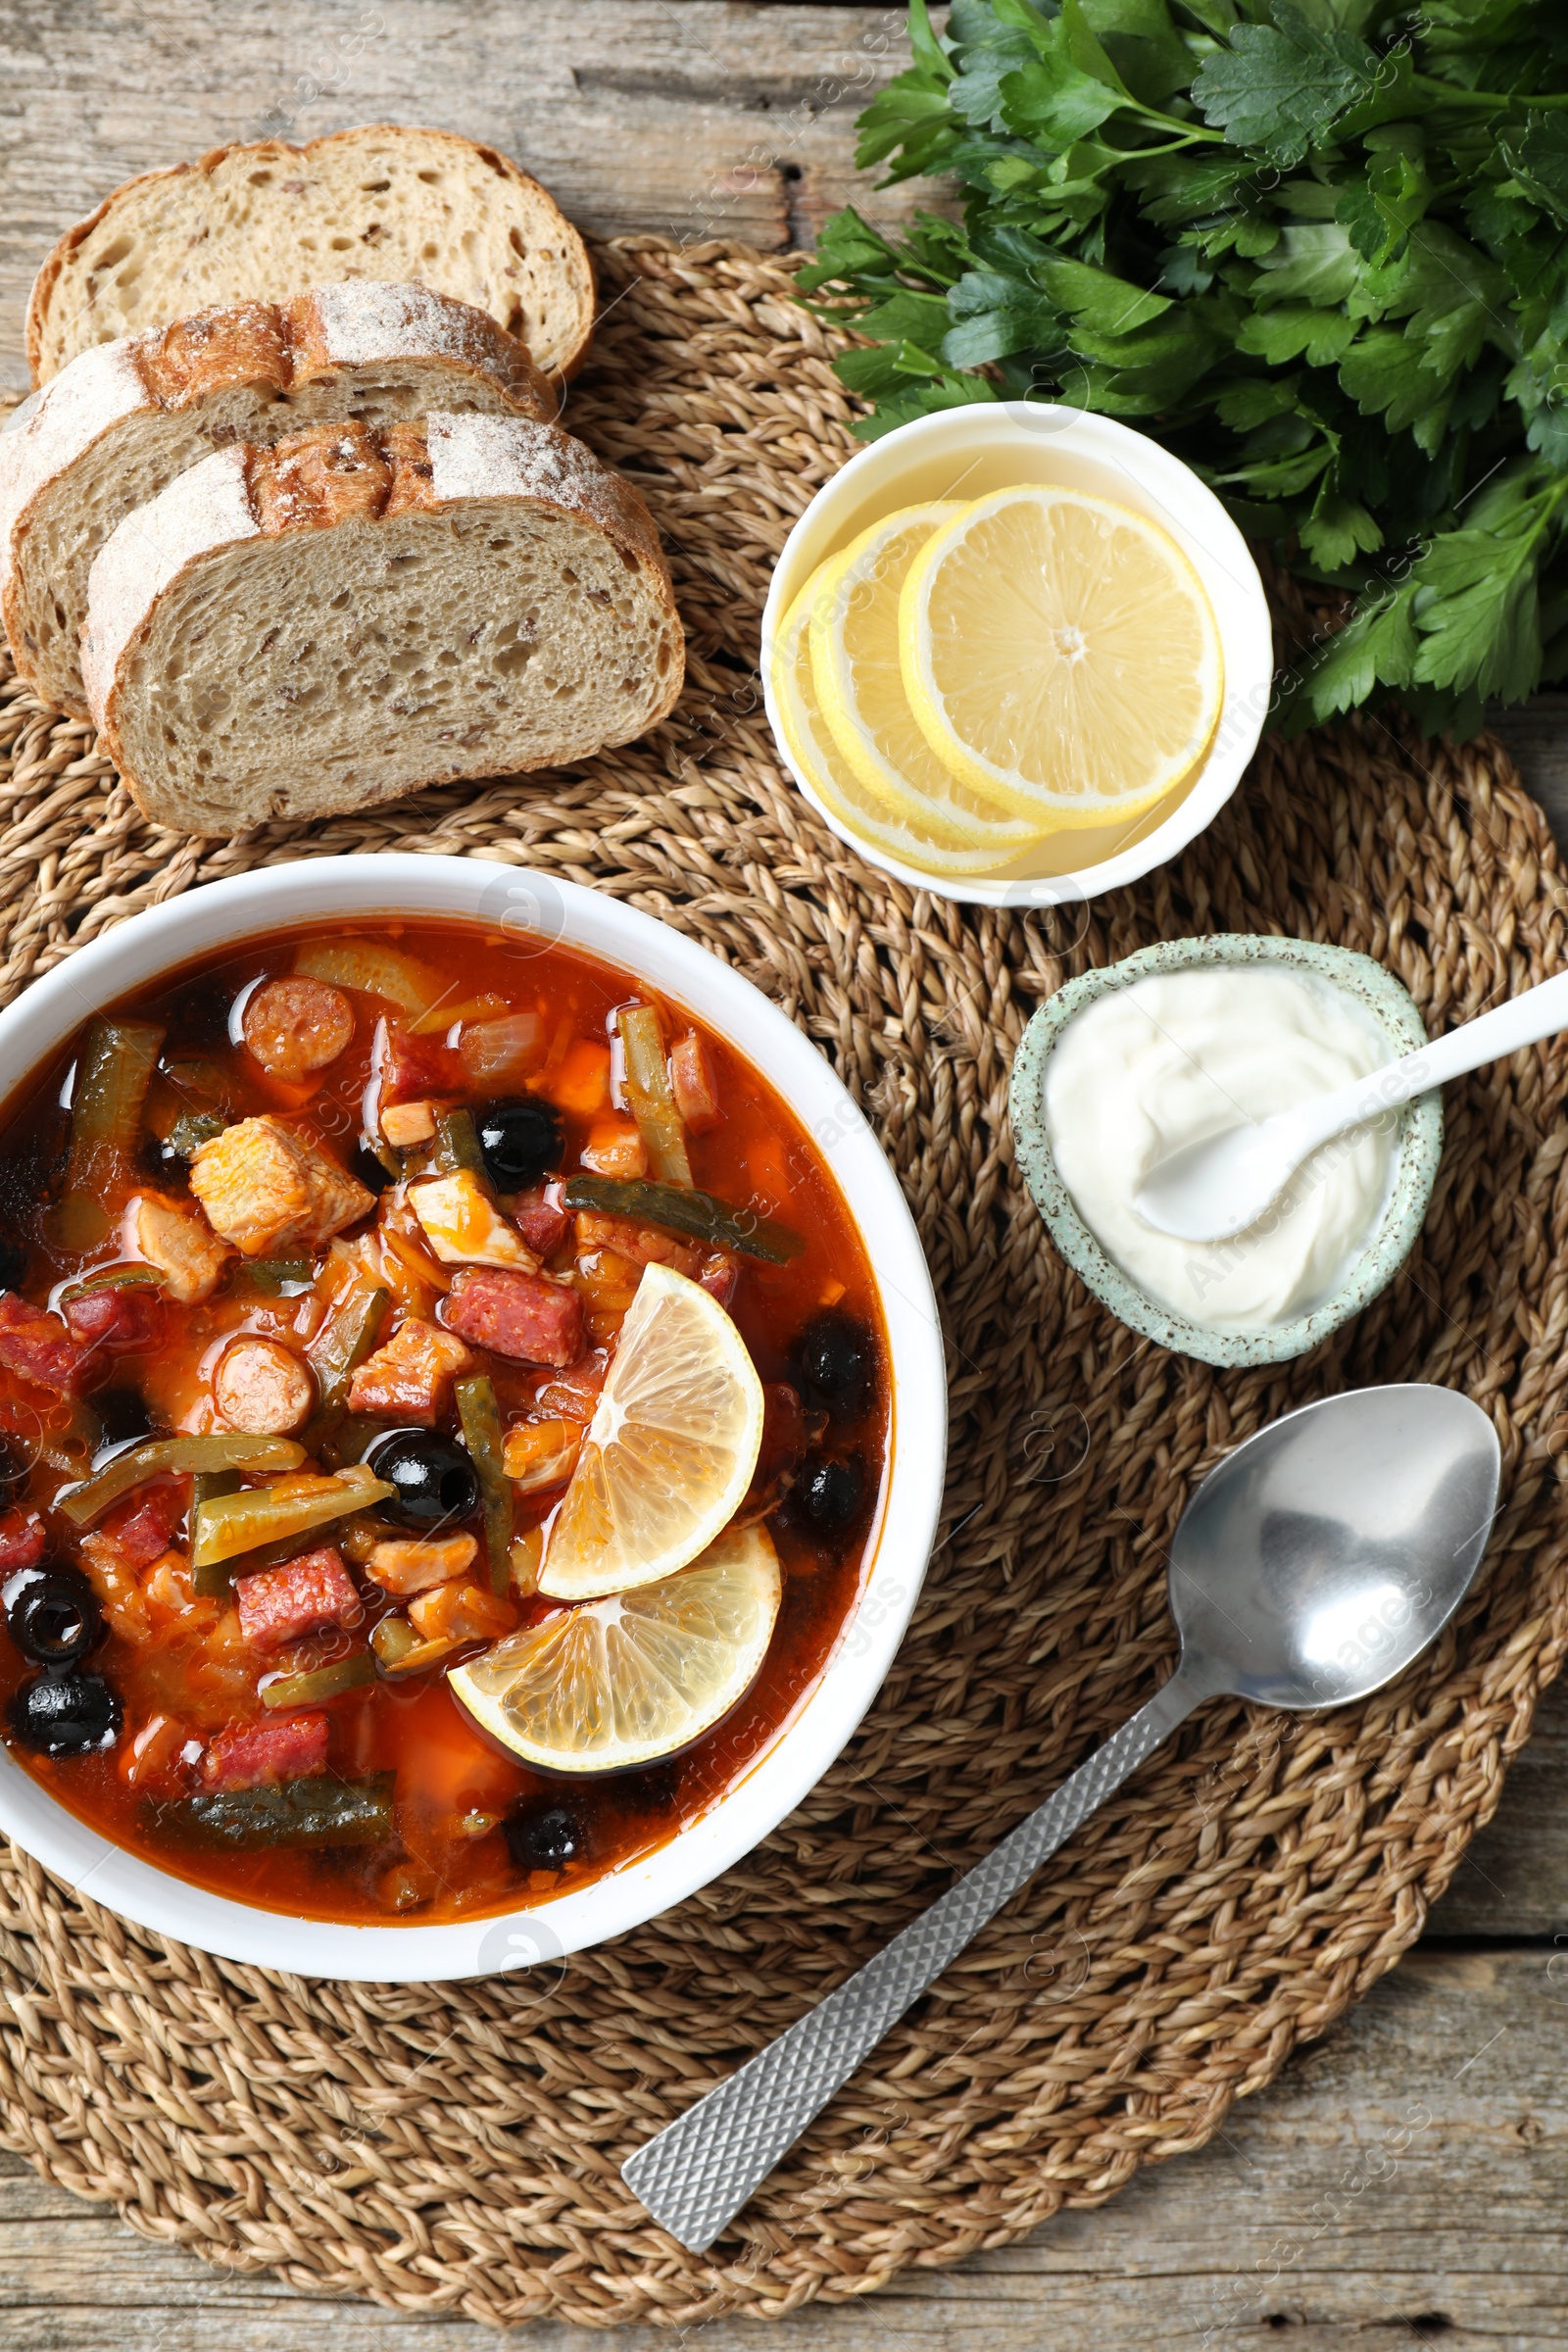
(1319, 249)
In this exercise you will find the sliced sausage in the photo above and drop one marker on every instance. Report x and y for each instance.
(261, 1386)
(254, 1755)
(118, 1320)
(521, 1315)
(23, 1541)
(277, 1605)
(40, 1347)
(294, 1027)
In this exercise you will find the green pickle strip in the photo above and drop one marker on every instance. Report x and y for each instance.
(480, 1416)
(220, 1450)
(325, 1681)
(698, 1215)
(322, 1811)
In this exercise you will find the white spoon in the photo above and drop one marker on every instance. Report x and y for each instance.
(1210, 1191)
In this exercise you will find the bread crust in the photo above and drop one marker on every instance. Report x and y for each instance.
(328, 474)
(280, 151)
(279, 348)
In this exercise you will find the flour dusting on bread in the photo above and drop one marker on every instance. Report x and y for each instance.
(348, 614)
(125, 419)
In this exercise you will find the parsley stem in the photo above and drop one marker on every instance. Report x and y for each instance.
(1449, 95)
(1187, 131)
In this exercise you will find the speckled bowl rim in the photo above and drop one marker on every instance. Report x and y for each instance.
(1419, 1145)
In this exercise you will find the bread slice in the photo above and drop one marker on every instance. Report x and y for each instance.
(118, 423)
(270, 218)
(347, 615)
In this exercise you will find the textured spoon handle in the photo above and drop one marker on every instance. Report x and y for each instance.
(697, 2173)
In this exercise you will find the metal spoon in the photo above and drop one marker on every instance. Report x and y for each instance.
(1308, 1570)
(1210, 1191)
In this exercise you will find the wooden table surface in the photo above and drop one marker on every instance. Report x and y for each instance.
(1406, 2180)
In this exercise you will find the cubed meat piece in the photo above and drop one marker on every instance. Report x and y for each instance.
(257, 1755)
(542, 1453)
(404, 1124)
(574, 1394)
(521, 1315)
(462, 1613)
(644, 1245)
(406, 1379)
(296, 1026)
(179, 1241)
(540, 1218)
(277, 1605)
(411, 1566)
(693, 1083)
(614, 1148)
(418, 1065)
(42, 1349)
(142, 1528)
(118, 1321)
(263, 1388)
(23, 1541)
(268, 1190)
(721, 1276)
(463, 1226)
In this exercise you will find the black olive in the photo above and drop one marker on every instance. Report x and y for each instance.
(16, 1467)
(837, 1356)
(546, 1840)
(52, 1615)
(436, 1483)
(370, 1169)
(829, 1496)
(12, 1262)
(124, 1416)
(520, 1142)
(66, 1715)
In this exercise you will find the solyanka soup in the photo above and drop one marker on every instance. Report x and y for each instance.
(443, 1421)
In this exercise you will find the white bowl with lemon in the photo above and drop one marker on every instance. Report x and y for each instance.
(1016, 654)
(710, 1623)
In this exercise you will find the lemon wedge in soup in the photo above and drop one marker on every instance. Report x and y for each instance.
(671, 1450)
(614, 1682)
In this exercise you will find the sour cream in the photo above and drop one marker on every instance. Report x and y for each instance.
(1178, 1057)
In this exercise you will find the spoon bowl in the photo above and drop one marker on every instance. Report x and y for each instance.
(1314, 1565)
(1327, 1552)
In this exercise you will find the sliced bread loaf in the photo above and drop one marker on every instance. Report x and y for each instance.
(270, 218)
(347, 615)
(117, 425)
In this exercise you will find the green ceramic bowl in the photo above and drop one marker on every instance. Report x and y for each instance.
(1417, 1149)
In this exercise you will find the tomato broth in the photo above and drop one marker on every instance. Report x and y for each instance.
(121, 1302)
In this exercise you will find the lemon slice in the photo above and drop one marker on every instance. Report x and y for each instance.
(617, 1681)
(834, 781)
(671, 1448)
(1060, 654)
(859, 686)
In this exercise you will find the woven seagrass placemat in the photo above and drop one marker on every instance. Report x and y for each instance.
(459, 2149)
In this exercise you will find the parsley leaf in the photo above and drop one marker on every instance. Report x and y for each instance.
(1316, 248)
(1280, 88)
